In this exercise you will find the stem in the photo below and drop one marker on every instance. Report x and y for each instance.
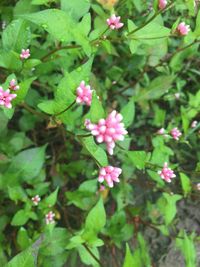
(59, 113)
(92, 254)
(152, 18)
(33, 111)
(43, 59)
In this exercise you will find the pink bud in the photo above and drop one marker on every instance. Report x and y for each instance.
(109, 174)
(84, 94)
(36, 200)
(162, 4)
(25, 53)
(114, 22)
(183, 29)
(13, 85)
(49, 217)
(166, 174)
(175, 133)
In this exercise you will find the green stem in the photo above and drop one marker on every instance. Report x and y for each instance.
(151, 19)
(59, 113)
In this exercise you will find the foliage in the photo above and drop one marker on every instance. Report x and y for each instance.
(54, 212)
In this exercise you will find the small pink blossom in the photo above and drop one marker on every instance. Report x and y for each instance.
(84, 94)
(102, 188)
(6, 98)
(36, 199)
(162, 4)
(109, 174)
(114, 22)
(49, 217)
(25, 53)
(175, 133)
(183, 29)
(108, 130)
(194, 124)
(161, 131)
(13, 85)
(166, 174)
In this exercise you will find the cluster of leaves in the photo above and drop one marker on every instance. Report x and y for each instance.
(46, 151)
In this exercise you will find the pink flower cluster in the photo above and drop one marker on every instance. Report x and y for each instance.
(108, 130)
(166, 174)
(109, 174)
(49, 218)
(162, 4)
(84, 94)
(6, 98)
(183, 29)
(13, 85)
(36, 199)
(114, 22)
(25, 53)
(175, 133)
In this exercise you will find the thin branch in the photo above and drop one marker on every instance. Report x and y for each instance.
(61, 112)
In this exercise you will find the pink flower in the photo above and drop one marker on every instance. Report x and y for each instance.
(49, 217)
(183, 29)
(36, 200)
(166, 174)
(161, 131)
(13, 85)
(25, 53)
(114, 22)
(175, 133)
(194, 124)
(162, 4)
(84, 94)
(109, 174)
(6, 98)
(108, 130)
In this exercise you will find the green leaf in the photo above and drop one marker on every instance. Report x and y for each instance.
(128, 113)
(187, 246)
(23, 239)
(10, 60)
(65, 93)
(52, 198)
(96, 218)
(186, 184)
(138, 158)
(95, 222)
(128, 261)
(24, 259)
(16, 36)
(167, 206)
(61, 26)
(156, 89)
(77, 8)
(26, 165)
(96, 109)
(22, 92)
(197, 29)
(55, 242)
(17, 193)
(95, 151)
(20, 218)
